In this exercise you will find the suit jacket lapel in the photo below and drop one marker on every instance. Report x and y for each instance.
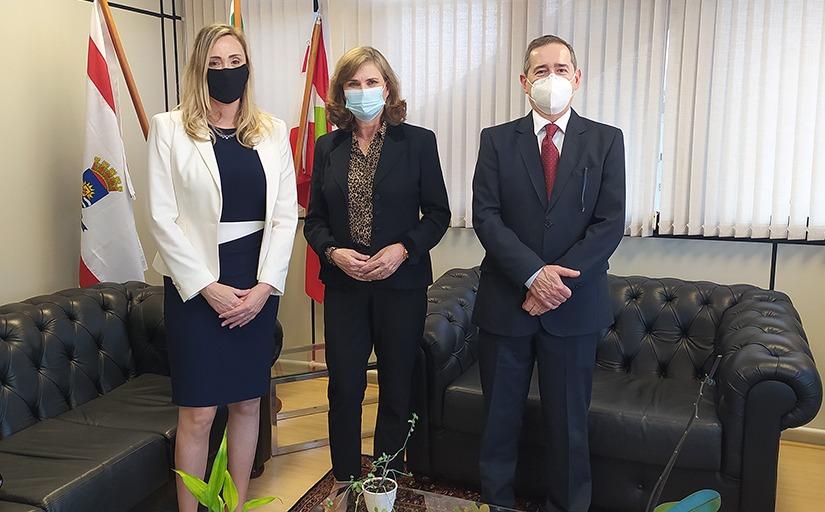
(529, 148)
(570, 154)
(391, 151)
(339, 159)
(207, 152)
(266, 153)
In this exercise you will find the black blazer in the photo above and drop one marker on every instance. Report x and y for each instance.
(579, 227)
(409, 203)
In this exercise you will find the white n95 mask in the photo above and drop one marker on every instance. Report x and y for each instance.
(551, 93)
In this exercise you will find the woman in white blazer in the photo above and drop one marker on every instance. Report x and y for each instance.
(223, 203)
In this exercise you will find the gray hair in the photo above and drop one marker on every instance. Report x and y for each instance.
(544, 41)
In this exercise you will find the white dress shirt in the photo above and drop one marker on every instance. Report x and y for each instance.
(540, 124)
(540, 129)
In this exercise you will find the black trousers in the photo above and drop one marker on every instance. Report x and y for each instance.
(356, 320)
(565, 367)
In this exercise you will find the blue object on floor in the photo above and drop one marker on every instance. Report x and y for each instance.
(701, 501)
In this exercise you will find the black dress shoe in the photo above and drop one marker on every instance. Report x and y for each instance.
(256, 472)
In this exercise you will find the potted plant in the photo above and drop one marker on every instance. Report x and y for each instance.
(219, 493)
(380, 486)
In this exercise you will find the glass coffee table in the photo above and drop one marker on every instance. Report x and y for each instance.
(411, 500)
(301, 364)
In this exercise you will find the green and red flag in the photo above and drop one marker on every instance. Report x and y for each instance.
(235, 18)
(315, 124)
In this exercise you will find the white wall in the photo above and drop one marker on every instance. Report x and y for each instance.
(41, 140)
(801, 274)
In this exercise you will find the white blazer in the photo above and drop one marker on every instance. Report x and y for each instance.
(185, 204)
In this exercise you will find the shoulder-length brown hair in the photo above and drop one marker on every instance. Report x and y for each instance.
(252, 124)
(395, 109)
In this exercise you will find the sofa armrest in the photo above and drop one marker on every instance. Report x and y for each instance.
(762, 340)
(147, 334)
(449, 334)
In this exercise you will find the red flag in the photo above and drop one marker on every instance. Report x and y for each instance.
(316, 126)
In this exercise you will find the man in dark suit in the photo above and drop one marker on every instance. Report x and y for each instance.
(548, 207)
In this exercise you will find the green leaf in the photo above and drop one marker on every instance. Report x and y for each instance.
(230, 493)
(260, 502)
(217, 505)
(664, 507)
(216, 477)
(196, 486)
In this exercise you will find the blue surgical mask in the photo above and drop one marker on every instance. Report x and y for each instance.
(365, 104)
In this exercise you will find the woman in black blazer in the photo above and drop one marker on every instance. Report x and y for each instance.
(378, 205)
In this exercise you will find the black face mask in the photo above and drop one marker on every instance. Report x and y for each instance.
(226, 85)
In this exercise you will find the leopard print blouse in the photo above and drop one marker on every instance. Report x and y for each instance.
(360, 183)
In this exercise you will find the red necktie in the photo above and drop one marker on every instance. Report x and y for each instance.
(549, 157)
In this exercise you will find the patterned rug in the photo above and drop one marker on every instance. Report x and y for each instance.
(406, 501)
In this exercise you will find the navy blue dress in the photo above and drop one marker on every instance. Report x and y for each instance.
(213, 365)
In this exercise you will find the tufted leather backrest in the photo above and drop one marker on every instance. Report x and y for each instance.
(667, 327)
(147, 334)
(449, 333)
(59, 351)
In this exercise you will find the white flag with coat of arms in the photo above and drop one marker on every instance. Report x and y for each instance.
(109, 246)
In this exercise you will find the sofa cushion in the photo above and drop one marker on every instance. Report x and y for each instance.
(648, 415)
(464, 407)
(464, 403)
(62, 466)
(8, 506)
(143, 404)
(642, 418)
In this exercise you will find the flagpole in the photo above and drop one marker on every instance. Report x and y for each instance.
(238, 20)
(124, 67)
(302, 126)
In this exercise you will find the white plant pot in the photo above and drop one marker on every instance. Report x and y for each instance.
(381, 501)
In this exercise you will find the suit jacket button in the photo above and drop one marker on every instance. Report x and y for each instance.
(548, 224)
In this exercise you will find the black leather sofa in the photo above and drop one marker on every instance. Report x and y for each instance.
(666, 335)
(86, 422)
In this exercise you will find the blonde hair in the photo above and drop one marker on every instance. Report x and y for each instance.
(252, 124)
(395, 110)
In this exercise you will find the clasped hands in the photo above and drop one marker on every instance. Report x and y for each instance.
(364, 268)
(236, 307)
(547, 291)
